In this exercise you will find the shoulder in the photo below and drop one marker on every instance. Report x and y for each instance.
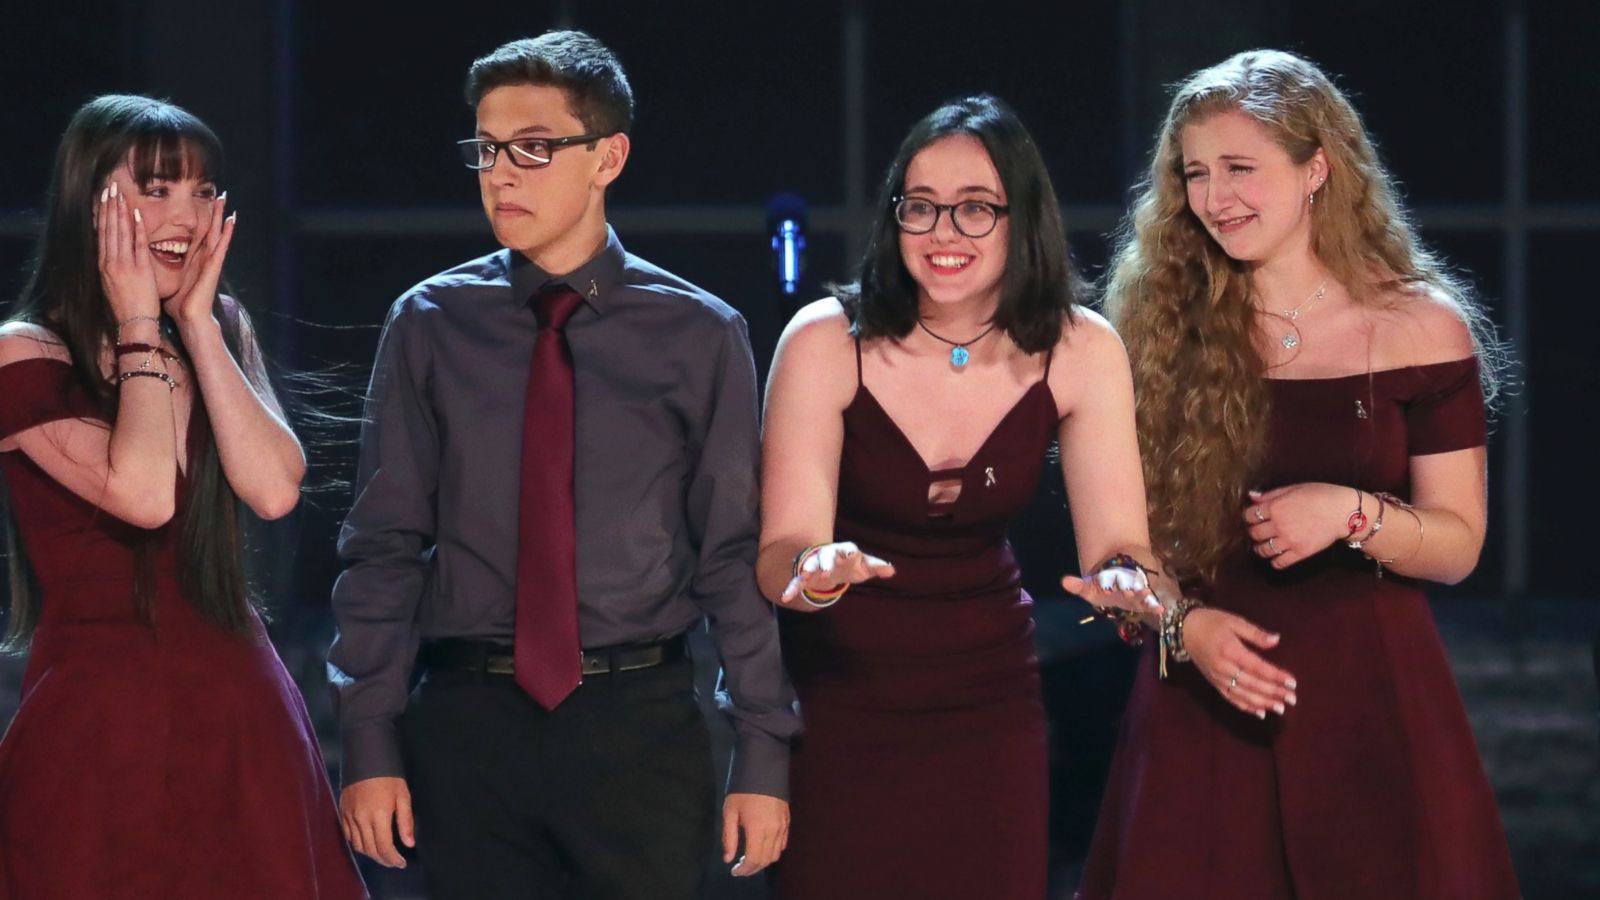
(1090, 339)
(1419, 325)
(684, 297)
(25, 340)
(1088, 358)
(454, 286)
(820, 327)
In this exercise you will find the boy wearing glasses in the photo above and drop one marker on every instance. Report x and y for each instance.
(557, 481)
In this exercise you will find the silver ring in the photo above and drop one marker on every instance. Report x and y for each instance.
(1273, 546)
(1256, 510)
(1233, 683)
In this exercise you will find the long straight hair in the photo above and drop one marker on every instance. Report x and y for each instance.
(63, 294)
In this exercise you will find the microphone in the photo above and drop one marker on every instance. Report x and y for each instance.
(786, 222)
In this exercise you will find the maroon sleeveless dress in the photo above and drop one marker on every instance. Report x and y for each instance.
(146, 762)
(1371, 787)
(922, 769)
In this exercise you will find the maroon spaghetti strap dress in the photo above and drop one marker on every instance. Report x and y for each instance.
(922, 770)
(162, 761)
(1371, 787)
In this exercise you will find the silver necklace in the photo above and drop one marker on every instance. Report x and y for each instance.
(1291, 338)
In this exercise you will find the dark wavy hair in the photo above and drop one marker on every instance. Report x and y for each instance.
(64, 295)
(1040, 286)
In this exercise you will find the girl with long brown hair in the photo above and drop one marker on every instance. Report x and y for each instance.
(1311, 388)
(160, 749)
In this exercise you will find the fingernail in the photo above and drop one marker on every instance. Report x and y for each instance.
(113, 189)
(1280, 709)
(136, 217)
(1255, 493)
(224, 197)
(1275, 638)
(1290, 699)
(233, 217)
(1261, 714)
(104, 193)
(1290, 683)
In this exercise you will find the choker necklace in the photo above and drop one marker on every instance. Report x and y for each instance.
(958, 349)
(1291, 338)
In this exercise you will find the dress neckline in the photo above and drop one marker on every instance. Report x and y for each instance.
(1376, 373)
(863, 391)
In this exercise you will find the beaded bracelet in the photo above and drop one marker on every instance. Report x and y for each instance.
(1130, 625)
(1172, 620)
(172, 383)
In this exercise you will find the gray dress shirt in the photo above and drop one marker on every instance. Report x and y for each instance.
(666, 487)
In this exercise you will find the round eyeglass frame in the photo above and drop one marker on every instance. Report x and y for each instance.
(997, 209)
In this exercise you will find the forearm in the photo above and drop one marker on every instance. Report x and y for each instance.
(1428, 544)
(142, 467)
(260, 456)
(775, 564)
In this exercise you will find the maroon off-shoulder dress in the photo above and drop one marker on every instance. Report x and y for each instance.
(159, 760)
(1372, 786)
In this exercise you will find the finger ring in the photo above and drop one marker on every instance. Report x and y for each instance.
(1271, 545)
(1256, 511)
(1233, 683)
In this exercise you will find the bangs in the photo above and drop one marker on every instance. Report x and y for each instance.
(171, 154)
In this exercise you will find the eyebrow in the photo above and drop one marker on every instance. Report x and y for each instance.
(525, 131)
(969, 189)
(1226, 157)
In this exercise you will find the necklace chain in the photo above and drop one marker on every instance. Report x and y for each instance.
(958, 349)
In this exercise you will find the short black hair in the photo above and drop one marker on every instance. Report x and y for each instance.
(1040, 285)
(597, 90)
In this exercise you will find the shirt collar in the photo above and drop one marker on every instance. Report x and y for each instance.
(594, 280)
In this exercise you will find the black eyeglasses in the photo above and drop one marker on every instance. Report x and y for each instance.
(973, 218)
(525, 153)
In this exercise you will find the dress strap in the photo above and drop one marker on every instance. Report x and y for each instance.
(1049, 357)
(858, 361)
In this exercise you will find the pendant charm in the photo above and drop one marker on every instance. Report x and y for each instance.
(959, 356)
(1290, 341)
(1361, 411)
(988, 476)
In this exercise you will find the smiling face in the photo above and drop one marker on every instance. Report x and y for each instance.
(948, 266)
(1246, 190)
(176, 210)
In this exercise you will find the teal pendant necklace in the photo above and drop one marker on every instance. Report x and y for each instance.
(958, 349)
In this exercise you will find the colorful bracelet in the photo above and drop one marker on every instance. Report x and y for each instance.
(1172, 619)
(1358, 518)
(1130, 625)
(824, 599)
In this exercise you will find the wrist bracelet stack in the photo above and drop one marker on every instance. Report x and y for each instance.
(146, 369)
(1130, 625)
(1386, 500)
(819, 600)
(1172, 619)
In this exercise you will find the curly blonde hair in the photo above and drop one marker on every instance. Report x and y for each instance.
(1183, 306)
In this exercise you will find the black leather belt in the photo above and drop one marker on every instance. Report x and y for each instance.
(495, 658)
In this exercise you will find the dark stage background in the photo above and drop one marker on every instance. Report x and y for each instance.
(339, 120)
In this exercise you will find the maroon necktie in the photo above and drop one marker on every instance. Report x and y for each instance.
(546, 649)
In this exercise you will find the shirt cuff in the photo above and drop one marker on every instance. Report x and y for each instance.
(371, 750)
(760, 766)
